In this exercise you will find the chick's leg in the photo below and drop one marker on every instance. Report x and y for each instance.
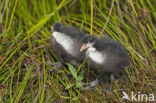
(93, 83)
(112, 78)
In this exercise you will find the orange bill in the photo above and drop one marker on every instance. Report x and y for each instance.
(83, 47)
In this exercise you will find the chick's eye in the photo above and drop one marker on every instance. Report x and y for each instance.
(91, 40)
(84, 42)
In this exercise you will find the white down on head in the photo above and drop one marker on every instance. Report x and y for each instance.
(95, 55)
(65, 41)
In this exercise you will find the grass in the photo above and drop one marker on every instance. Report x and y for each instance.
(24, 38)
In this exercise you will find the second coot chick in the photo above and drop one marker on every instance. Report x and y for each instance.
(66, 43)
(107, 55)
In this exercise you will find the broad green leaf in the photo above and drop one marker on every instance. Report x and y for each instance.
(81, 75)
(72, 70)
(82, 65)
(78, 84)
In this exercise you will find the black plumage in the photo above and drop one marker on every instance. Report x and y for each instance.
(106, 55)
(66, 43)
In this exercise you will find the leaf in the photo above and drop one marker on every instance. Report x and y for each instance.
(69, 86)
(72, 70)
(79, 68)
(81, 75)
(78, 84)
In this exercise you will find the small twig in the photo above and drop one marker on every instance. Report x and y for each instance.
(107, 18)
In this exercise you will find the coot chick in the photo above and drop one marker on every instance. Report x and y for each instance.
(66, 43)
(106, 55)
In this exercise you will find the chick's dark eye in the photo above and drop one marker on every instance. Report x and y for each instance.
(91, 39)
(84, 41)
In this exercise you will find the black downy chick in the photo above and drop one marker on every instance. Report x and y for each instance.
(66, 43)
(107, 55)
